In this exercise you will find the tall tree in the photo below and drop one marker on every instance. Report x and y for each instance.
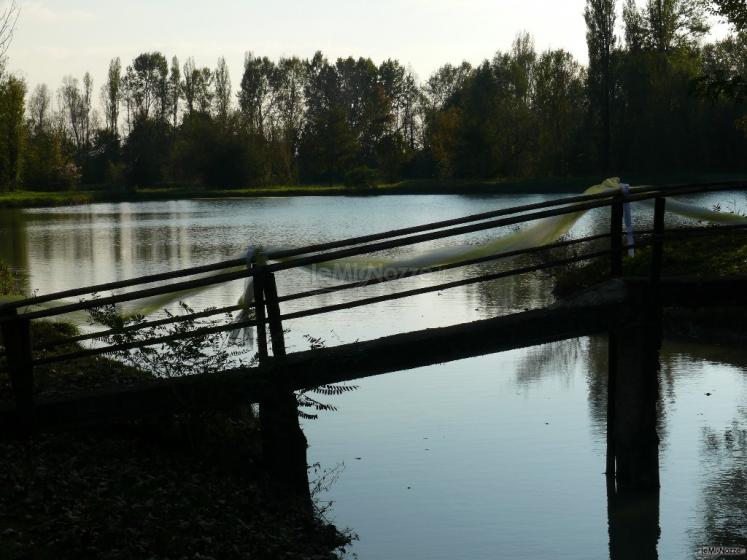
(75, 110)
(40, 106)
(8, 19)
(664, 25)
(675, 23)
(146, 85)
(733, 10)
(44, 161)
(444, 82)
(256, 94)
(289, 83)
(635, 26)
(204, 94)
(86, 109)
(111, 95)
(12, 95)
(197, 88)
(222, 90)
(409, 110)
(558, 105)
(188, 85)
(175, 91)
(600, 19)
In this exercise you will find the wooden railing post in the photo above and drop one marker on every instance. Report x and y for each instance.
(283, 442)
(273, 313)
(657, 250)
(616, 233)
(17, 340)
(259, 307)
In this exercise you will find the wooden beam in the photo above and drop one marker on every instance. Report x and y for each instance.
(699, 292)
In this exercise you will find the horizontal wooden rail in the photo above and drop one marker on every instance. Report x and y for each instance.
(444, 286)
(143, 325)
(143, 343)
(441, 268)
(140, 294)
(149, 279)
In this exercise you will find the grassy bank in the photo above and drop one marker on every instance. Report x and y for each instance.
(30, 199)
(695, 258)
(724, 255)
(184, 486)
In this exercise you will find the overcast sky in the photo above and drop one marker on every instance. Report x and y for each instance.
(55, 38)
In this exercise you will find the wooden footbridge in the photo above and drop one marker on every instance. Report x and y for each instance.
(629, 309)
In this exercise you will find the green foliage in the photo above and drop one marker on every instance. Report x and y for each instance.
(724, 74)
(10, 280)
(205, 354)
(658, 101)
(362, 176)
(12, 131)
(146, 86)
(307, 400)
(684, 257)
(146, 152)
(733, 10)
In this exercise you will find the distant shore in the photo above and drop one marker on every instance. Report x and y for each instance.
(38, 199)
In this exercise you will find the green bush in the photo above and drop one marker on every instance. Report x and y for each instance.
(361, 177)
(10, 281)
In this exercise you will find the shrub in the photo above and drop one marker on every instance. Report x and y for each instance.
(361, 177)
(10, 281)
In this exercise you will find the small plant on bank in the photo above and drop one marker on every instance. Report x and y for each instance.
(207, 353)
(305, 398)
(10, 280)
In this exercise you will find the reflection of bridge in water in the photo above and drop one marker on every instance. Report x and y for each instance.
(629, 309)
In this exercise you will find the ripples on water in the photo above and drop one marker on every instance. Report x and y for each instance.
(494, 457)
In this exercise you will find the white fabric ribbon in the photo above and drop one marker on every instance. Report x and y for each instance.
(246, 299)
(628, 219)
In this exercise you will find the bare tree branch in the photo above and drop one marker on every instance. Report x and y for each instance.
(8, 19)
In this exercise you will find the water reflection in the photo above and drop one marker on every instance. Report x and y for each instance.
(633, 525)
(724, 497)
(14, 242)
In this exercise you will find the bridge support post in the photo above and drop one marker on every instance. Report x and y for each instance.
(283, 442)
(633, 521)
(633, 442)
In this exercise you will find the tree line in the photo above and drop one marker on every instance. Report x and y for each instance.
(654, 99)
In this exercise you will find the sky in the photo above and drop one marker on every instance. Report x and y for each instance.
(55, 38)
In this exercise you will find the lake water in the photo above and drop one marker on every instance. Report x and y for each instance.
(495, 457)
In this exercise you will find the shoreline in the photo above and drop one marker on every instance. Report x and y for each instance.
(39, 199)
